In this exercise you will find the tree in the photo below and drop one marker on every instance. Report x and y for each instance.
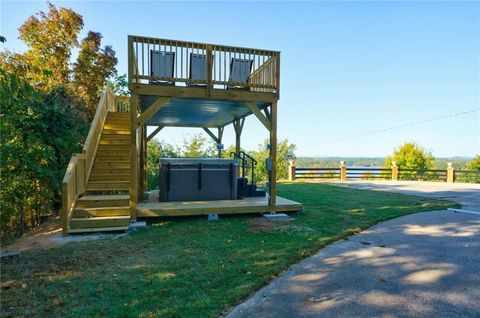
(94, 65)
(411, 156)
(285, 153)
(50, 37)
(474, 164)
(156, 150)
(38, 134)
(118, 84)
(197, 147)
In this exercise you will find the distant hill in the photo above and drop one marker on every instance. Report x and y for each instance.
(331, 162)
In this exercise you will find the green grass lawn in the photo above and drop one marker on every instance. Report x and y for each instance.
(188, 267)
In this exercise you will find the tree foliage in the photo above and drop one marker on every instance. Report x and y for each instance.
(43, 113)
(197, 147)
(50, 37)
(474, 164)
(39, 132)
(285, 153)
(156, 150)
(411, 156)
(94, 65)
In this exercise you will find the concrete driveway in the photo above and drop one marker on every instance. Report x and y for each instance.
(465, 193)
(420, 265)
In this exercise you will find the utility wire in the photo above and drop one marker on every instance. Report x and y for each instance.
(391, 128)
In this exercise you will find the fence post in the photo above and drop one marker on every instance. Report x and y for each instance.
(343, 171)
(394, 171)
(450, 173)
(291, 171)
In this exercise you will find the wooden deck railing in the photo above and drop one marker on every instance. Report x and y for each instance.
(264, 74)
(78, 171)
(345, 173)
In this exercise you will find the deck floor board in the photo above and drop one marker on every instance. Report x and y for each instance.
(246, 205)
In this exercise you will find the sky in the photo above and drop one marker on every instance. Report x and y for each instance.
(357, 78)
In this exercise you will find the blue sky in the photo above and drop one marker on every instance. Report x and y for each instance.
(348, 68)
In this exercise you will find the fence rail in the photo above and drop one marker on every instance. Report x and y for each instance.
(181, 63)
(345, 173)
(467, 176)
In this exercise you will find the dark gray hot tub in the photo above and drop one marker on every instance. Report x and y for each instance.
(197, 179)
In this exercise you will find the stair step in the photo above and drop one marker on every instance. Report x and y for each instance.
(115, 136)
(108, 185)
(118, 158)
(110, 177)
(101, 211)
(99, 222)
(104, 141)
(117, 125)
(102, 148)
(110, 171)
(111, 165)
(108, 192)
(100, 201)
(114, 132)
(98, 229)
(112, 153)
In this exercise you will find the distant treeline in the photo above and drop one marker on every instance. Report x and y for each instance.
(333, 162)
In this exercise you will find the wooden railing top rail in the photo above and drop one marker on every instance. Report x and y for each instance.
(145, 39)
(183, 63)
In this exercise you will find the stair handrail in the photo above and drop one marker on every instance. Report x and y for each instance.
(254, 162)
(236, 155)
(76, 177)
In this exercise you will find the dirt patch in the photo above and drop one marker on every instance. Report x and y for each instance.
(261, 225)
(37, 238)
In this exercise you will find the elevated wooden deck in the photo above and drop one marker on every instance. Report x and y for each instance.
(246, 205)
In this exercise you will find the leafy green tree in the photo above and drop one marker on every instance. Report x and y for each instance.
(118, 83)
(474, 164)
(94, 65)
(50, 37)
(285, 153)
(155, 150)
(197, 147)
(38, 134)
(411, 156)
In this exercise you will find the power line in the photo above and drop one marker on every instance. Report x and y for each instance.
(391, 128)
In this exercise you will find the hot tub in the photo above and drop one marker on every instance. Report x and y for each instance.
(197, 179)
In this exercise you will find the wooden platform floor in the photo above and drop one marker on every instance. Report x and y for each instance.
(247, 205)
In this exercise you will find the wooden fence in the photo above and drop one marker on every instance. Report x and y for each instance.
(394, 173)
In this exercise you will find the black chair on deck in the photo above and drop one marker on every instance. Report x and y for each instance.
(161, 65)
(240, 70)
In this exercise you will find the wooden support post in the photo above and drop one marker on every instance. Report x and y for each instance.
(211, 134)
(394, 171)
(238, 127)
(263, 119)
(151, 110)
(140, 158)
(450, 173)
(291, 171)
(343, 171)
(133, 157)
(145, 167)
(273, 156)
(219, 143)
(154, 133)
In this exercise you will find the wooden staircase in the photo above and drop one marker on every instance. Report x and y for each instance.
(104, 206)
